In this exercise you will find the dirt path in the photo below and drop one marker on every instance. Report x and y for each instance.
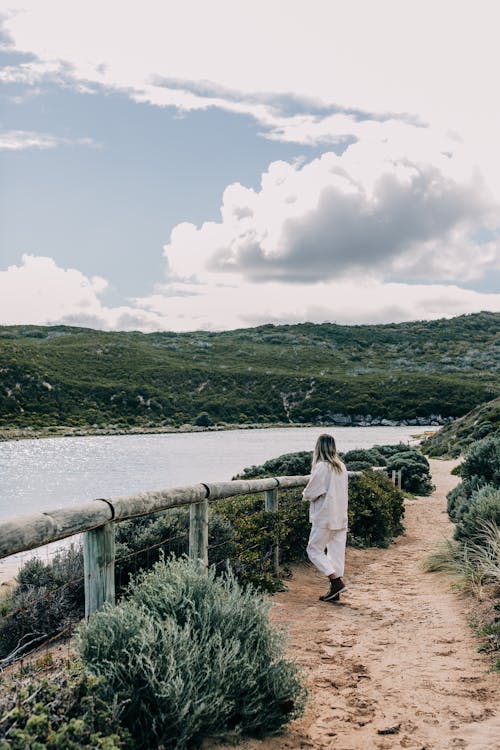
(396, 654)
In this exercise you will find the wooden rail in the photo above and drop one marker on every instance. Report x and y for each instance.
(95, 521)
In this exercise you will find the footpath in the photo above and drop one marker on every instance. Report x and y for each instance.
(394, 664)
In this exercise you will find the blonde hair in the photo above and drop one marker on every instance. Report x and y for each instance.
(326, 450)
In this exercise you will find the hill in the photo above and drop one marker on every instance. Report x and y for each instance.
(455, 438)
(420, 371)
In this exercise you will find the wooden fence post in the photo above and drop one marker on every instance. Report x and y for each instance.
(400, 472)
(271, 503)
(393, 477)
(99, 567)
(198, 532)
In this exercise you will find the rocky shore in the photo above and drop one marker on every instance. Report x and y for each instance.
(360, 420)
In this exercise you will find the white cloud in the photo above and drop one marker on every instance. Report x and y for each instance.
(434, 61)
(19, 140)
(371, 211)
(40, 292)
(217, 307)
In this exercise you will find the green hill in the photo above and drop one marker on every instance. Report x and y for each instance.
(454, 438)
(305, 373)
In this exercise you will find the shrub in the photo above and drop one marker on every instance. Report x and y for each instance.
(370, 456)
(480, 468)
(60, 710)
(140, 542)
(376, 510)
(47, 598)
(456, 499)
(483, 461)
(359, 465)
(256, 531)
(191, 656)
(286, 465)
(390, 450)
(415, 471)
(483, 507)
(203, 419)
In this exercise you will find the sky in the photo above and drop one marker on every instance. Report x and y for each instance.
(217, 165)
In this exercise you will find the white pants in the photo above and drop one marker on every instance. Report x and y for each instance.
(326, 550)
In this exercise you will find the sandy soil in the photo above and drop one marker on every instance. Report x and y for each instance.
(394, 664)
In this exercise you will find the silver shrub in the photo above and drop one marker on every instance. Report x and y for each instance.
(192, 656)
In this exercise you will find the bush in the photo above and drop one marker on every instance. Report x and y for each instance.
(203, 420)
(359, 465)
(256, 531)
(286, 465)
(190, 656)
(415, 471)
(376, 510)
(456, 499)
(140, 542)
(480, 468)
(482, 461)
(390, 450)
(483, 506)
(370, 456)
(60, 710)
(47, 599)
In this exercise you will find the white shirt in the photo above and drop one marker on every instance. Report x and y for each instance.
(327, 493)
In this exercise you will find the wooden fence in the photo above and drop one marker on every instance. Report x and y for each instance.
(96, 519)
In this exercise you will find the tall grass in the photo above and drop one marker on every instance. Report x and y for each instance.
(474, 563)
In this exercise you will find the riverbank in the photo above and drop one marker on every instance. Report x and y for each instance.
(61, 431)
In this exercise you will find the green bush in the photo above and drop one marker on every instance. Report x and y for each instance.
(415, 471)
(390, 450)
(483, 506)
(456, 500)
(190, 656)
(47, 598)
(359, 465)
(482, 461)
(140, 542)
(370, 456)
(376, 510)
(286, 465)
(480, 468)
(256, 531)
(63, 710)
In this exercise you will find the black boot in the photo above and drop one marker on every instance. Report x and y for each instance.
(337, 586)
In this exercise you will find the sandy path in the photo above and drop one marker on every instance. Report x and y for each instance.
(396, 653)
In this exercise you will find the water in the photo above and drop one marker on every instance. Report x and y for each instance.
(37, 475)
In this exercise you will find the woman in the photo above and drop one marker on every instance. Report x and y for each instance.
(326, 493)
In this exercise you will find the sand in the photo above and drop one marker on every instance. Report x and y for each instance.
(395, 663)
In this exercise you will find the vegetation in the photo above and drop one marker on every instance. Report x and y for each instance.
(414, 466)
(189, 656)
(455, 438)
(480, 472)
(474, 555)
(304, 373)
(47, 600)
(63, 709)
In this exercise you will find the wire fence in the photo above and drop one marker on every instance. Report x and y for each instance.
(42, 608)
(67, 598)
